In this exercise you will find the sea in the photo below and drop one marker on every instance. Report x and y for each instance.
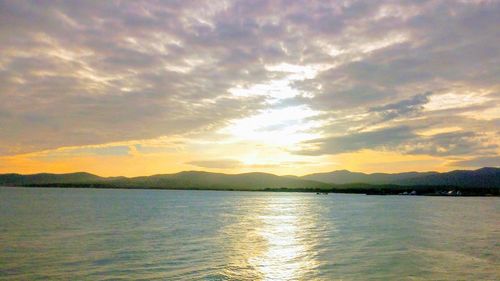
(119, 234)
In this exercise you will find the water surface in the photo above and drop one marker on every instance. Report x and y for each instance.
(92, 234)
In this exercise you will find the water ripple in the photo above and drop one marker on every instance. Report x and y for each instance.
(78, 234)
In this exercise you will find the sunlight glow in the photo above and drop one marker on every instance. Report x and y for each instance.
(280, 88)
(282, 127)
(455, 100)
(384, 42)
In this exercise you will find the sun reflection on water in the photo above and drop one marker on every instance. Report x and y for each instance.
(287, 251)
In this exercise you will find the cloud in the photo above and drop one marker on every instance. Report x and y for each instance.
(82, 73)
(90, 73)
(216, 164)
(387, 137)
(402, 108)
(448, 144)
(373, 84)
(234, 164)
(402, 139)
(483, 161)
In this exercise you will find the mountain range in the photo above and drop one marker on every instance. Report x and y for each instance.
(481, 178)
(484, 177)
(182, 180)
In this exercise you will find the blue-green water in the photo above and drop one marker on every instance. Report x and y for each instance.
(89, 234)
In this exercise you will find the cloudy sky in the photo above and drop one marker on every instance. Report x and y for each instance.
(287, 87)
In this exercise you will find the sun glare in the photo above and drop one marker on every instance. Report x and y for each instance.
(283, 127)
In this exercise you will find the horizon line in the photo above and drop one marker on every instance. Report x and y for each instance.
(256, 172)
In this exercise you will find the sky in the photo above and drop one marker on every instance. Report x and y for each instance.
(287, 87)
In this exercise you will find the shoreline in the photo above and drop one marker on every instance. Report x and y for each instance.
(372, 191)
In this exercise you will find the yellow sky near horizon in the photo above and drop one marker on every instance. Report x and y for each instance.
(127, 161)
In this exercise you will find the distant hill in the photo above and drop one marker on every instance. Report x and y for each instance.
(206, 180)
(484, 177)
(342, 180)
(44, 178)
(182, 180)
(346, 177)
